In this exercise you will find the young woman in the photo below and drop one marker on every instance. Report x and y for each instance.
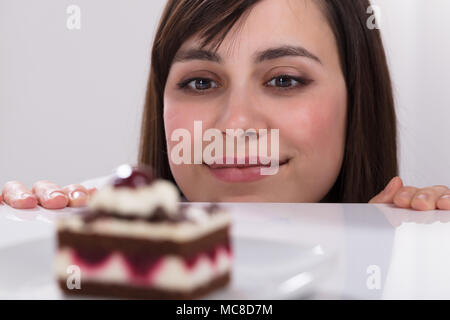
(312, 69)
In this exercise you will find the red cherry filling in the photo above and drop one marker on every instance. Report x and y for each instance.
(191, 261)
(132, 177)
(92, 258)
(141, 265)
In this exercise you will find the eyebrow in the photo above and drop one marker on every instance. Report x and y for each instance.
(258, 57)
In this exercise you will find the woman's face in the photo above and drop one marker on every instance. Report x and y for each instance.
(253, 84)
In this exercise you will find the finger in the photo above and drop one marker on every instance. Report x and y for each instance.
(387, 195)
(92, 191)
(443, 202)
(50, 195)
(426, 198)
(17, 195)
(78, 195)
(403, 196)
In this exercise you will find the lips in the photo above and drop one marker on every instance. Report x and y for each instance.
(242, 171)
(245, 162)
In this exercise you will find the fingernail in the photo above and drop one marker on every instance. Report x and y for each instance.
(446, 196)
(422, 196)
(55, 194)
(25, 195)
(404, 194)
(77, 194)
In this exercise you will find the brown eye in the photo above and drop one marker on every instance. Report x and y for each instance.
(283, 82)
(201, 84)
(287, 82)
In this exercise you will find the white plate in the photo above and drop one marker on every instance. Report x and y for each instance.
(262, 270)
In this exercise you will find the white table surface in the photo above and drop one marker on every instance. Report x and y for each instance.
(382, 252)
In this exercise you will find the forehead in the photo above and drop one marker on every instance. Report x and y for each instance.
(272, 23)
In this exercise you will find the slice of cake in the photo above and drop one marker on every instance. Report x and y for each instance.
(135, 240)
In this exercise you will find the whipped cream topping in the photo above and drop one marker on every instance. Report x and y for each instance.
(198, 215)
(141, 201)
(178, 232)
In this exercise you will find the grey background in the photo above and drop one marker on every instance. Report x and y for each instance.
(71, 100)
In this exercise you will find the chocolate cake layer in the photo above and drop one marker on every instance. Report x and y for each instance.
(133, 292)
(159, 215)
(108, 243)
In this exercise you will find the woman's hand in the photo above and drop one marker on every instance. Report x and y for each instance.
(430, 198)
(45, 193)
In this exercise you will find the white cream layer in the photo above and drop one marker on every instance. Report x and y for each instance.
(172, 274)
(140, 201)
(177, 232)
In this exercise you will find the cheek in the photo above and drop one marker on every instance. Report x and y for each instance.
(317, 128)
(326, 127)
(175, 116)
(181, 115)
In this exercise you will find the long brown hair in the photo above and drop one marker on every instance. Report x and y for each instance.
(370, 156)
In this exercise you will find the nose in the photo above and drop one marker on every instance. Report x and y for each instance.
(241, 110)
(242, 114)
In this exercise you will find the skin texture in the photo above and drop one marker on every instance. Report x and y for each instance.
(45, 193)
(243, 94)
(422, 199)
(311, 118)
